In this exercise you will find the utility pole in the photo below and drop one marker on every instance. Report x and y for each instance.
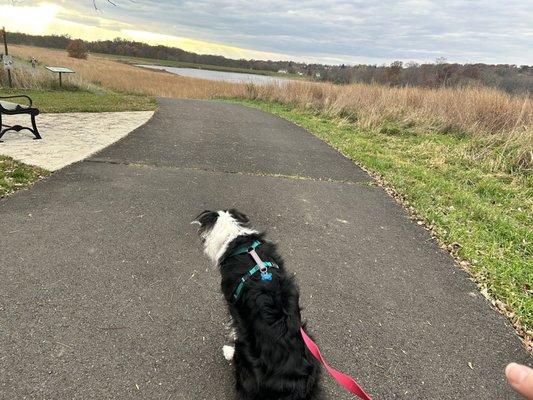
(5, 47)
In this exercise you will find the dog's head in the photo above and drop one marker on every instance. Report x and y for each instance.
(218, 228)
(211, 221)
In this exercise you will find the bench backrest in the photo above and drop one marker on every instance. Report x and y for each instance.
(9, 106)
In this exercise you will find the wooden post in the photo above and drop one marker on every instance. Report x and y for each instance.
(60, 80)
(5, 47)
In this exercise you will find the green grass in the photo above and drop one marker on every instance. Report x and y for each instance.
(77, 100)
(487, 217)
(15, 175)
(183, 64)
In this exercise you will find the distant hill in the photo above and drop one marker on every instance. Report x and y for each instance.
(510, 78)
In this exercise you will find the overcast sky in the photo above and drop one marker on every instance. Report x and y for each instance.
(328, 31)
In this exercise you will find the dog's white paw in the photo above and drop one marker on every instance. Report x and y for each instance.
(228, 351)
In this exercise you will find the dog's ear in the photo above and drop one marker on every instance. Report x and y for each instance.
(239, 216)
(199, 216)
(206, 218)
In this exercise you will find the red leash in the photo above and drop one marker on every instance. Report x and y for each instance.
(344, 380)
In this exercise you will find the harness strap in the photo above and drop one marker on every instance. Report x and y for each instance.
(258, 260)
(250, 273)
(260, 265)
(246, 249)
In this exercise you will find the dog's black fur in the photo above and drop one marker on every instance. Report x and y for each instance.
(271, 359)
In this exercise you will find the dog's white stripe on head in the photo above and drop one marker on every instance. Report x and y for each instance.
(218, 238)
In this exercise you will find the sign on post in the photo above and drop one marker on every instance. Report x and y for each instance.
(60, 71)
(8, 62)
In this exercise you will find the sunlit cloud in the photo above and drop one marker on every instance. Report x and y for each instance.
(198, 46)
(47, 18)
(28, 19)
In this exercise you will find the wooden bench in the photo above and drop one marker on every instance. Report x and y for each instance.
(11, 108)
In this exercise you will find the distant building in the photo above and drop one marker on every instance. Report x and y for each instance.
(282, 71)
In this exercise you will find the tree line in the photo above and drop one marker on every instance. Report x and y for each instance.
(507, 77)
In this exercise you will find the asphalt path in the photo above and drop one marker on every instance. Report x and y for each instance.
(105, 294)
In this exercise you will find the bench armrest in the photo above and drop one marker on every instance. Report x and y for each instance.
(19, 96)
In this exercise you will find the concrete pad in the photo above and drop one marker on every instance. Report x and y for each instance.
(68, 137)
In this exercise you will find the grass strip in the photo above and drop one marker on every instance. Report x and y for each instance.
(77, 100)
(15, 175)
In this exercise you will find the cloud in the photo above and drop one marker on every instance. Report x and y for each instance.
(32, 19)
(349, 31)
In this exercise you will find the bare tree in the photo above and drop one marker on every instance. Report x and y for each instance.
(95, 4)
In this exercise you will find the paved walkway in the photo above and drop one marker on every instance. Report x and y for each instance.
(68, 137)
(105, 293)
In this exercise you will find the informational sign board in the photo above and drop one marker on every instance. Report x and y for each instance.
(60, 70)
(8, 62)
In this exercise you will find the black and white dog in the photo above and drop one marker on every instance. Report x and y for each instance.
(271, 360)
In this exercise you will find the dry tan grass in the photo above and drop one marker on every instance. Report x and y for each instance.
(25, 77)
(126, 78)
(501, 124)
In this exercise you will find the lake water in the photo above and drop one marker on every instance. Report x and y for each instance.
(220, 75)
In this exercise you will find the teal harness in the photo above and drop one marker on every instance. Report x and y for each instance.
(246, 249)
(261, 265)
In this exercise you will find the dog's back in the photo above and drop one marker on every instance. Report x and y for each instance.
(271, 359)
